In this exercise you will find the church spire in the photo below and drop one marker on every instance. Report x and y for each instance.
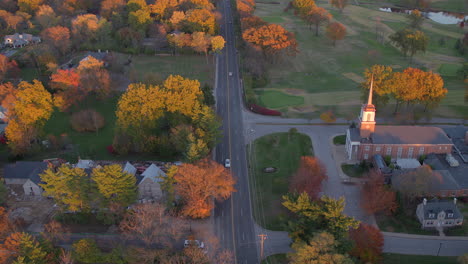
(369, 100)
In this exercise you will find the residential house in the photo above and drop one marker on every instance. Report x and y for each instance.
(368, 139)
(24, 175)
(20, 40)
(148, 182)
(439, 214)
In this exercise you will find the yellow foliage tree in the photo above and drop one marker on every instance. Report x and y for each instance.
(217, 44)
(182, 95)
(28, 113)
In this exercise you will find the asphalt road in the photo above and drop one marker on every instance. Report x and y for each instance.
(234, 224)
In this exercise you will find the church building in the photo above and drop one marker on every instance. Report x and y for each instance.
(399, 142)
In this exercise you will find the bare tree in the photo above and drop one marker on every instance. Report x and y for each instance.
(54, 232)
(65, 257)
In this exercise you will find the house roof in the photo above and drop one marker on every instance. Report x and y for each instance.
(409, 135)
(153, 172)
(25, 170)
(457, 174)
(435, 207)
(129, 168)
(85, 164)
(354, 134)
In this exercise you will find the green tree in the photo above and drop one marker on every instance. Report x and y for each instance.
(69, 187)
(115, 185)
(327, 214)
(410, 41)
(139, 20)
(167, 185)
(86, 251)
(322, 248)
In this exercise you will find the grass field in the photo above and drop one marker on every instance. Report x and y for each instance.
(339, 140)
(281, 151)
(189, 66)
(329, 77)
(417, 259)
(353, 170)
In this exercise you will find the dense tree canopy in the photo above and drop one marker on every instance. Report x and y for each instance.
(114, 185)
(271, 39)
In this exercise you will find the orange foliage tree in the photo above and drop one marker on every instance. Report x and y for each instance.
(66, 83)
(271, 39)
(317, 16)
(336, 31)
(340, 4)
(368, 243)
(110, 7)
(58, 37)
(94, 77)
(198, 184)
(252, 22)
(46, 16)
(8, 69)
(6, 226)
(308, 177)
(376, 197)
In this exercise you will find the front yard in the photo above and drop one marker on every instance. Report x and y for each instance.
(281, 151)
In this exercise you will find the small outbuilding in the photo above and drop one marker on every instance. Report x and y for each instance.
(25, 174)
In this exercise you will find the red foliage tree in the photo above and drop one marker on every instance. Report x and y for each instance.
(368, 243)
(376, 197)
(336, 31)
(308, 177)
(58, 37)
(64, 79)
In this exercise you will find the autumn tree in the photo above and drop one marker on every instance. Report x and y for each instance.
(368, 243)
(245, 7)
(54, 232)
(198, 184)
(200, 42)
(217, 44)
(201, 20)
(86, 251)
(381, 77)
(150, 224)
(87, 27)
(321, 248)
(27, 115)
(252, 22)
(317, 16)
(29, 6)
(415, 19)
(271, 39)
(69, 187)
(336, 31)
(324, 214)
(114, 185)
(8, 68)
(416, 183)
(46, 16)
(303, 6)
(376, 197)
(340, 4)
(6, 226)
(94, 77)
(410, 41)
(139, 20)
(66, 84)
(111, 7)
(308, 177)
(22, 248)
(58, 37)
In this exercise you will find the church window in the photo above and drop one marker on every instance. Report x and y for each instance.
(400, 150)
(389, 150)
(410, 152)
(367, 148)
(377, 148)
(421, 151)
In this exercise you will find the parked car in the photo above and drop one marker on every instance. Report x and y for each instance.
(227, 163)
(195, 243)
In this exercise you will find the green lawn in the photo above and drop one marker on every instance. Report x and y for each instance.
(354, 170)
(321, 71)
(339, 140)
(276, 259)
(281, 151)
(276, 99)
(29, 74)
(417, 259)
(189, 66)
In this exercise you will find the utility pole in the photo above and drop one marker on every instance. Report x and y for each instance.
(262, 240)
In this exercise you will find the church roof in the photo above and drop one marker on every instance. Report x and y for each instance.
(409, 135)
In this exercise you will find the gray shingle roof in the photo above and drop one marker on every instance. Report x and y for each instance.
(409, 135)
(434, 207)
(25, 170)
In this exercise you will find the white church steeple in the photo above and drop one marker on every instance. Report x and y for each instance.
(367, 117)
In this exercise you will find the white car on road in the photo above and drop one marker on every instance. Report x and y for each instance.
(227, 163)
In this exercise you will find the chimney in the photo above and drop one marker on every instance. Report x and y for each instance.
(454, 200)
(424, 201)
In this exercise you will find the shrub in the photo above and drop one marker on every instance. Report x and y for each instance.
(87, 121)
(263, 111)
(328, 117)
